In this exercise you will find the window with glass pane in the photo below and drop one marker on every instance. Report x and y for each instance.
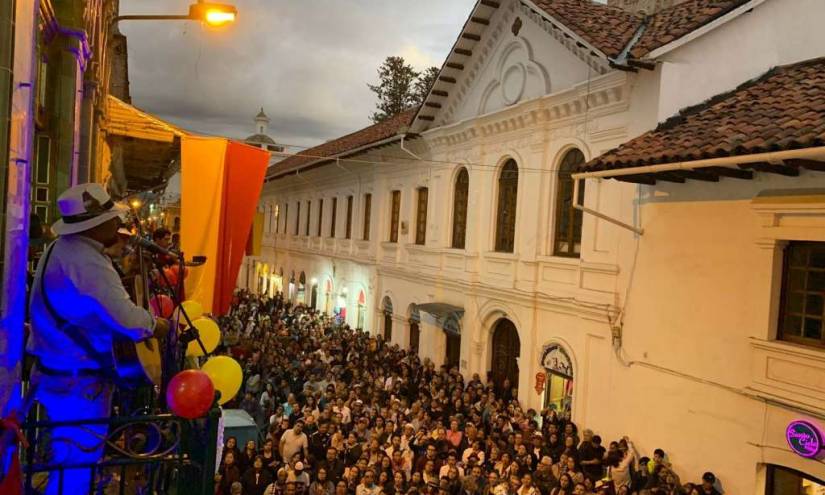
(367, 215)
(421, 217)
(277, 218)
(507, 201)
(395, 211)
(803, 288)
(460, 199)
(568, 235)
(43, 153)
(309, 214)
(42, 213)
(297, 216)
(349, 218)
(334, 215)
(320, 216)
(286, 217)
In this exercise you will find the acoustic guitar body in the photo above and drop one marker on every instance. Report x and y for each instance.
(138, 363)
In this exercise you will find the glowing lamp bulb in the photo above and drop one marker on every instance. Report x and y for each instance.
(213, 14)
(219, 17)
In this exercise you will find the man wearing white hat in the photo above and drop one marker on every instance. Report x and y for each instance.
(78, 306)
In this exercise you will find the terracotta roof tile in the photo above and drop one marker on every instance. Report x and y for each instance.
(358, 139)
(783, 109)
(674, 22)
(609, 29)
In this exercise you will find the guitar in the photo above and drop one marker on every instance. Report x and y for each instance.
(138, 363)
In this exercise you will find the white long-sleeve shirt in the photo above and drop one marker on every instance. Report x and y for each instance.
(620, 475)
(85, 290)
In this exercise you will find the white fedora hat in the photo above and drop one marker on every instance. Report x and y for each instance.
(84, 207)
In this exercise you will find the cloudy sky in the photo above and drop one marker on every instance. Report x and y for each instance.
(307, 62)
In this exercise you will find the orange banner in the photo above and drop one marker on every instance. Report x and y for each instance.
(221, 183)
(202, 182)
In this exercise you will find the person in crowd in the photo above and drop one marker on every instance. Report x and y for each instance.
(708, 486)
(349, 414)
(256, 478)
(228, 473)
(299, 476)
(294, 441)
(247, 457)
(620, 463)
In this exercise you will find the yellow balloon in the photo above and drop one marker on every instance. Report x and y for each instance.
(226, 375)
(193, 309)
(210, 336)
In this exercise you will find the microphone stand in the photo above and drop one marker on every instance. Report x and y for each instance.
(174, 341)
(190, 333)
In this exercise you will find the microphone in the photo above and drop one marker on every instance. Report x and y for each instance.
(151, 246)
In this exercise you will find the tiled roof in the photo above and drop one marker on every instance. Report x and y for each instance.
(364, 137)
(783, 109)
(609, 29)
(674, 22)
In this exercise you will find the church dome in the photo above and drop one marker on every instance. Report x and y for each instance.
(259, 139)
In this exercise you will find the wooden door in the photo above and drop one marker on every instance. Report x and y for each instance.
(415, 335)
(453, 352)
(506, 348)
(388, 327)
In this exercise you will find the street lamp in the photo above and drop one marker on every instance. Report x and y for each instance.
(214, 14)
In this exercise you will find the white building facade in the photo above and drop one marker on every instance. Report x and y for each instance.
(452, 230)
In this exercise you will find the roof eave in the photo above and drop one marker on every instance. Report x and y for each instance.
(773, 157)
(349, 153)
(418, 123)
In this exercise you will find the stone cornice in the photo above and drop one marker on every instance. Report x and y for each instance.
(602, 96)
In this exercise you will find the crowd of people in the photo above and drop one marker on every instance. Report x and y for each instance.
(343, 413)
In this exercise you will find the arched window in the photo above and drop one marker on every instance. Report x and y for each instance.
(507, 200)
(460, 198)
(568, 239)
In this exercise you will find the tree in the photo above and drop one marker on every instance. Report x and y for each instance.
(424, 84)
(400, 87)
(394, 89)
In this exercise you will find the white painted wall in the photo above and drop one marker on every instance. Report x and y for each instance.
(777, 32)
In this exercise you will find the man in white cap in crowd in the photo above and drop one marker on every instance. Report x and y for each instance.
(78, 307)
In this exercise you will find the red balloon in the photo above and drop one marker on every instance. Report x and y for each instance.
(190, 394)
(171, 275)
(162, 306)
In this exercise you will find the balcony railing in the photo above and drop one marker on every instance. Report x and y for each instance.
(143, 455)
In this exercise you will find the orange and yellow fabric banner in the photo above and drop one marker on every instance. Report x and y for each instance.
(221, 183)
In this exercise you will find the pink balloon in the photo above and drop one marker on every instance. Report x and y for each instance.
(190, 394)
(162, 306)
